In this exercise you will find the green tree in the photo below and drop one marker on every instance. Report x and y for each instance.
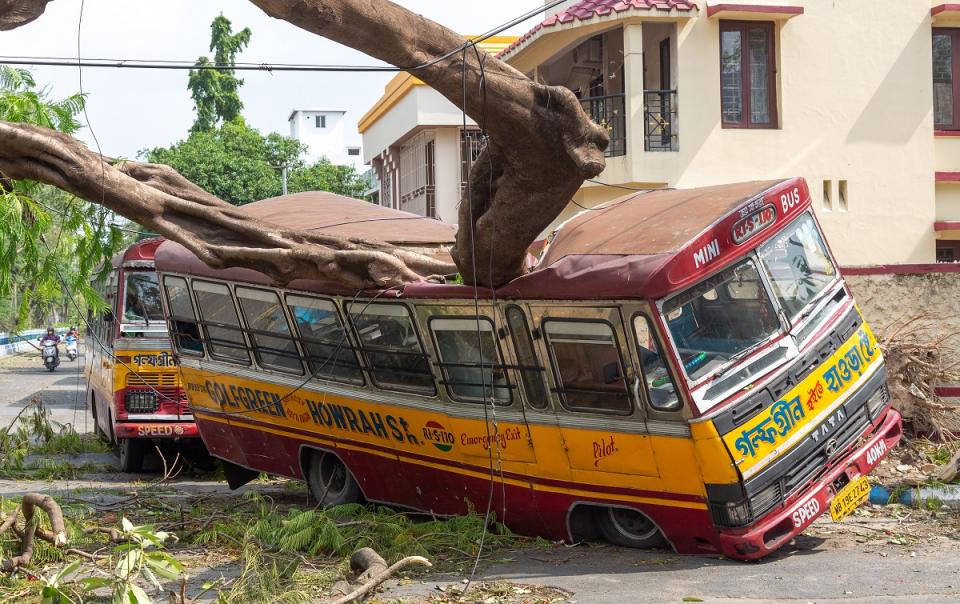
(51, 243)
(326, 176)
(215, 92)
(238, 164)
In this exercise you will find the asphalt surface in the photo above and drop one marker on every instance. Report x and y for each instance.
(23, 378)
(880, 559)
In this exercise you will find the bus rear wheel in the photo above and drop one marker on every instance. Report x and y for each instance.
(628, 528)
(331, 482)
(132, 452)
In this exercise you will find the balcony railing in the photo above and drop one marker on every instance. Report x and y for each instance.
(608, 111)
(660, 120)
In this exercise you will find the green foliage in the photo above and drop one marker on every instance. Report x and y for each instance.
(216, 92)
(45, 234)
(326, 176)
(239, 165)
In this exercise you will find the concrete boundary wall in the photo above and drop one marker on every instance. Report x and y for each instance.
(17, 343)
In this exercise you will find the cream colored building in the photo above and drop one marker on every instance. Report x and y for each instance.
(699, 92)
(416, 145)
(840, 92)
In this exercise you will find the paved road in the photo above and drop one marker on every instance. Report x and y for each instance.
(23, 376)
(864, 560)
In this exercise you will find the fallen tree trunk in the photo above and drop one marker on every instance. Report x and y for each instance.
(57, 536)
(541, 148)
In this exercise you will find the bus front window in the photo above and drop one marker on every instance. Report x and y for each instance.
(720, 318)
(141, 302)
(798, 265)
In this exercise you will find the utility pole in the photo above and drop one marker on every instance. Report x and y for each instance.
(283, 178)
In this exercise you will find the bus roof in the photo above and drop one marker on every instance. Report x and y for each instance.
(139, 255)
(643, 245)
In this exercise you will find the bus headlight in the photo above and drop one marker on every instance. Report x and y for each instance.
(141, 401)
(878, 400)
(730, 514)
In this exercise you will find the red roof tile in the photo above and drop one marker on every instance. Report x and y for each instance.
(587, 9)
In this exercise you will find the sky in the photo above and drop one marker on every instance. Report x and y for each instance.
(130, 110)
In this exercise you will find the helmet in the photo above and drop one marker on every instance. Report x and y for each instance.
(49, 330)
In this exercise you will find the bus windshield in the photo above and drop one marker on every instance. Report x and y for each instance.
(141, 302)
(798, 265)
(723, 317)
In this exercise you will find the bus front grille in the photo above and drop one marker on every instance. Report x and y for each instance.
(154, 380)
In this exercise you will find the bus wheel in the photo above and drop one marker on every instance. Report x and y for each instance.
(132, 452)
(628, 528)
(330, 481)
(97, 430)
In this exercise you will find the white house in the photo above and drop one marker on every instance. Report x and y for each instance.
(415, 143)
(327, 133)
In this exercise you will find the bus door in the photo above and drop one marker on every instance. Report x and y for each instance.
(602, 426)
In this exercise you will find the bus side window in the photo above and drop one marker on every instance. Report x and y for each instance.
(661, 390)
(470, 359)
(221, 326)
(391, 347)
(186, 332)
(530, 368)
(269, 331)
(330, 355)
(587, 363)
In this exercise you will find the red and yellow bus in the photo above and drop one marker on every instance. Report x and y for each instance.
(682, 367)
(134, 389)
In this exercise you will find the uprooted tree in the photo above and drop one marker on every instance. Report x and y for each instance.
(541, 148)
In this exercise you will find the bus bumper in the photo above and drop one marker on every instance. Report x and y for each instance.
(165, 430)
(774, 530)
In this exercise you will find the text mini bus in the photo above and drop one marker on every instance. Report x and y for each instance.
(682, 366)
(134, 389)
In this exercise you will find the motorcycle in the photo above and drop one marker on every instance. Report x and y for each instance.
(70, 343)
(51, 354)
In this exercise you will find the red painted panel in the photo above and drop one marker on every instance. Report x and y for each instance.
(944, 8)
(902, 269)
(946, 176)
(754, 8)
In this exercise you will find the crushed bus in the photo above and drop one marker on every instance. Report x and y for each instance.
(682, 367)
(134, 389)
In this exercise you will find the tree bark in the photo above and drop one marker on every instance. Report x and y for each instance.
(542, 147)
(14, 13)
(220, 234)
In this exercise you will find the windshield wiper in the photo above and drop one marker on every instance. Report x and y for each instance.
(730, 361)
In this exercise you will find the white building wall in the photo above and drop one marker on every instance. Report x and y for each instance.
(331, 141)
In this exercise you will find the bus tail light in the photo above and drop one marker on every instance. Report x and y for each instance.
(141, 401)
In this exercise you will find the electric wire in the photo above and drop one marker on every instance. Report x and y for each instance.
(267, 67)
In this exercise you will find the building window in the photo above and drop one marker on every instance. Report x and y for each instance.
(353, 150)
(472, 142)
(946, 111)
(748, 90)
(417, 185)
(948, 251)
(321, 121)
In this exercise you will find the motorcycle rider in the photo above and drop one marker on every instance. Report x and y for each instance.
(50, 338)
(72, 332)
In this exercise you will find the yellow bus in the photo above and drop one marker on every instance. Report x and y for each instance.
(681, 367)
(133, 387)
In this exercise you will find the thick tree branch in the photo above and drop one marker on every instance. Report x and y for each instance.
(542, 147)
(220, 234)
(14, 13)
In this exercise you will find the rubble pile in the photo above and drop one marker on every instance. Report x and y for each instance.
(916, 365)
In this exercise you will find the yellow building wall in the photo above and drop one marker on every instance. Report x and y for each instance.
(855, 104)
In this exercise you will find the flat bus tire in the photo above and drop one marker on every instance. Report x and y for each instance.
(132, 452)
(628, 528)
(330, 480)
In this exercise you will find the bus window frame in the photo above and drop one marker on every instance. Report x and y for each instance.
(172, 319)
(667, 356)
(206, 335)
(538, 371)
(303, 341)
(370, 368)
(253, 332)
(442, 365)
(627, 368)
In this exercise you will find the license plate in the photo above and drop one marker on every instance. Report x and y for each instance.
(849, 498)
